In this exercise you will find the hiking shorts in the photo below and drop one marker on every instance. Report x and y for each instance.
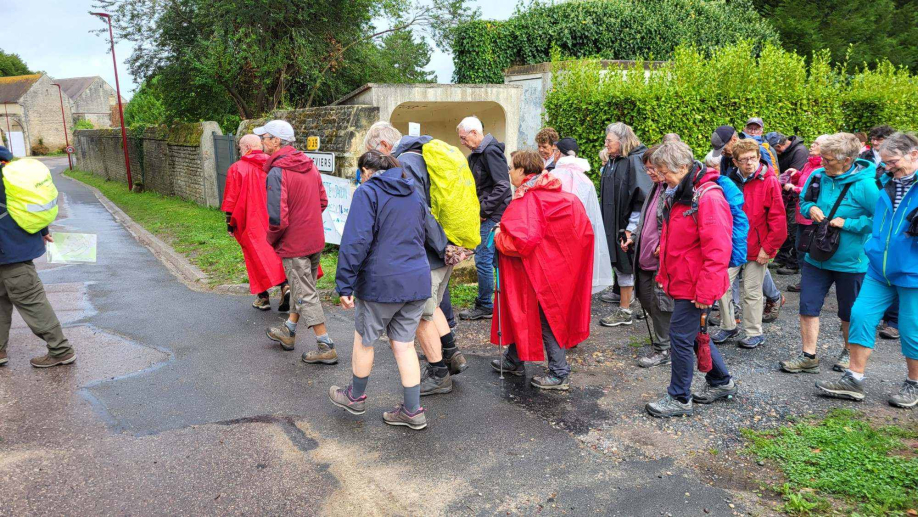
(399, 320)
(302, 274)
(623, 279)
(439, 280)
(815, 284)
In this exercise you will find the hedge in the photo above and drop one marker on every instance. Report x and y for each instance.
(610, 29)
(693, 94)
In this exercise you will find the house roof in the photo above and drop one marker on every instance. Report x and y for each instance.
(13, 88)
(74, 86)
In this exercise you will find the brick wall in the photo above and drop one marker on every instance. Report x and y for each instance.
(175, 161)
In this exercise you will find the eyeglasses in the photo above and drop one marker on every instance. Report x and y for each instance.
(266, 136)
(748, 159)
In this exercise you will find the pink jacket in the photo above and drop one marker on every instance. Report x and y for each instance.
(798, 179)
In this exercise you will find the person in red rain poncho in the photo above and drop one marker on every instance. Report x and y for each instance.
(245, 204)
(545, 242)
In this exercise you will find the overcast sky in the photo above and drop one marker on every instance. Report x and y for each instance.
(53, 36)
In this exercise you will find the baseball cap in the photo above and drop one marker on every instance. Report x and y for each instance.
(720, 138)
(279, 128)
(773, 138)
(566, 145)
(757, 121)
(5, 154)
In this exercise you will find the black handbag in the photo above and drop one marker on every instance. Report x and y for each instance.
(820, 240)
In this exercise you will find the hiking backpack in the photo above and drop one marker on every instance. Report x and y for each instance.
(453, 197)
(734, 199)
(31, 197)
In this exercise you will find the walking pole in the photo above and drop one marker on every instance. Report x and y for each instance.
(500, 344)
(644, 312)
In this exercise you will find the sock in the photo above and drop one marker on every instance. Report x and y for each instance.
(857, 376)
(448, 343)
(811, 356)
(358, 386)
(324, 339)
(440, 369)
(412, 398)
(626, 311)
(913, 381)
(291, 326)
(684, 401)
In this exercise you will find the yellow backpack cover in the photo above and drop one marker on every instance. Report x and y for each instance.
(453, 198)
(31, 197)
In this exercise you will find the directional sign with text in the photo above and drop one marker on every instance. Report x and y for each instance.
(325, 162)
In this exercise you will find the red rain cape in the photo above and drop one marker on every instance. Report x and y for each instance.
(546, 260)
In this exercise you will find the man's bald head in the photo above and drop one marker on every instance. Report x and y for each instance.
(249, 143)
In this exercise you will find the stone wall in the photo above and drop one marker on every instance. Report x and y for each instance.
(174, 161)
(340, 128)
(42, 108)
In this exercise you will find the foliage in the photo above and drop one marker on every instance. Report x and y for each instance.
(83, 124)
(12, 64)
(845, 456)
(610, 29)
(40, 149)
(693, 94)
(463, 296)
(146, 106)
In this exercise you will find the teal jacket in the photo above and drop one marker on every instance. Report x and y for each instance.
(893, 254)
(857, 210)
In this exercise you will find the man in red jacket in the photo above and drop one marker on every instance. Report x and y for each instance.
(695, 249)
(767, 231)
(296, 200)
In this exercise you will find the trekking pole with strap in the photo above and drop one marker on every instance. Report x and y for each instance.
(500, 344)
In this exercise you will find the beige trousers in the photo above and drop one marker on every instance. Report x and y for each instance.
(752, 298)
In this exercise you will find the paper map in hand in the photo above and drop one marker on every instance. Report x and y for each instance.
(72, 248)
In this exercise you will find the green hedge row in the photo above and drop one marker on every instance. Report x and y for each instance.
(610, 29)
(693, 94)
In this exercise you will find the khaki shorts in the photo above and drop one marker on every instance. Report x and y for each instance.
(302, 275)
(439, 279)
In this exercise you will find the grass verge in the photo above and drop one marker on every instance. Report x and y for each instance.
(842, 463)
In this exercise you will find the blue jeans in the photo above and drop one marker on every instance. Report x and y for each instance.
(484, 263)
(683, 327)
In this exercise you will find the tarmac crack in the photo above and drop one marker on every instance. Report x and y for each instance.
(287, 423)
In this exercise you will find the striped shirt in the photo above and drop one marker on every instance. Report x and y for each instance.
(902, 186)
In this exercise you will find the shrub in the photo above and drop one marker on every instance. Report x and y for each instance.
(83, 124)
(40, 149)
(610, 29)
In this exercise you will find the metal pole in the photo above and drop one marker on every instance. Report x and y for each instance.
(64, 119)
(127, 157)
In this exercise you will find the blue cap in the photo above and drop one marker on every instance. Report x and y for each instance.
(773, 138)
(5, 154)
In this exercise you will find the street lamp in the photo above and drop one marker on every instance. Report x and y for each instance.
(127, 159)
(64, 118)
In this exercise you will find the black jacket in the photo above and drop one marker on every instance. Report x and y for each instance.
(623, 187)
(795, 156)
(492, 178)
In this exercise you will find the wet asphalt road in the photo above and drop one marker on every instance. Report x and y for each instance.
(178, 403)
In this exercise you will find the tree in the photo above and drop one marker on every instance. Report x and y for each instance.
(146, 106)
(12, 64)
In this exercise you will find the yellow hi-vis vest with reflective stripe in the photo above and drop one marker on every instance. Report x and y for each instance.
(31, 197)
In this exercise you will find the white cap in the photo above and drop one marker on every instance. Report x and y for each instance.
(279, 128)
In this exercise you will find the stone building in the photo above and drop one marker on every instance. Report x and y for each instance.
(92, 99)
(30, 113)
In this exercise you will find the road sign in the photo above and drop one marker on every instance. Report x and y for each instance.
(69, 149)
(325, 162)
(312, 143)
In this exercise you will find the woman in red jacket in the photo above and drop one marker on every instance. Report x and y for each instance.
(695, 249)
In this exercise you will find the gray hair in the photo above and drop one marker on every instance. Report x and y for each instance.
(285, 143)
(470, 124)
(841, 146)
(625, 135)
(381, 132)
(673, 156)
(899, 144)
(671, 137)
(712, 161)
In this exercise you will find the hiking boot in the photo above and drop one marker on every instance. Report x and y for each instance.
(847, 387)
(656, 358)
(281, 335)
(48, 360)
(323, 354)
(551, 381)
(843, 362)
(456, 363)
(432, 385)
(285, 299)
(619, 317)
(341, 397)
(401, 416)
(3, 358)
(476, 313)
(787, 271)
(610, 296)
(668, 407)
(751, 342)
(518, 370)
(710, 393)
(773, 309)
(262, 303)
(774, 264)
(800, 364)
(888, 332)
(907, 396)
(795, 288)
(723, 335)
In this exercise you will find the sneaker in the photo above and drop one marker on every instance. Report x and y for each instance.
(787, 271)
(610, 296)
(800, 364)
(262, 304)
(847, 387)
(723, 335)
(476, 314)
(432, 385)
(281, 335)
(619, 317)
(457, 363)
(773, 309)
(710, 393)
(843, 362)
(751, 342)
(285, 299)
(907, 396)
(401, 416)
(774, 264)
(656, 358)
(887, 332)
(48, 360)
(3, 358)
(668, 407)
(323, 354)
(795, 288)
(518, 370)
(640, 315)
(551, 382)
(341, 397)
